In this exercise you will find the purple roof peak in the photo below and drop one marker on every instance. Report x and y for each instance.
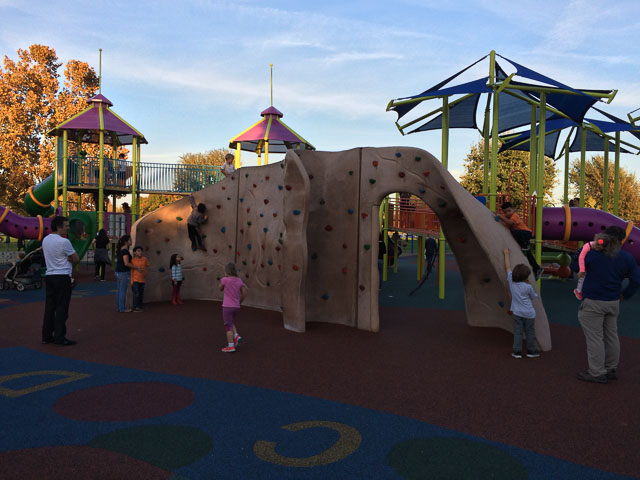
(272, 111)
(100, 99)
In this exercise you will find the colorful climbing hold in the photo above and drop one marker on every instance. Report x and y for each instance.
(215, 251)
(261, 215)
(310, 177)
(242, 231)
(344, 245)
(325, 297)
(417, 159)
(398, 154)
(374, 163)
(421, 190)
(328, 228)
(218, 207)
(344, 270)
(372, 181)
(249, 223)
(241, 200)
(161, 269)
(350, 172)
(296, 212)
(350, 211)
(179, 219)
(248, 209)
(204, 269)
(322, 202)
(501, 304)
(288, 187)
(223, 229)
(280, 187)
(364, 215)
(277, 249)
(367, 246)
(427, 173)
(362, 288)
(224, 188)
(296, 267)
(442, 203)
(270, 262)
(267, 178)
(275, 214)
(244, 262)
(248, 246)
(266, 201)
(401, 174)
(265, 229)
(158, 220)
(166, 239)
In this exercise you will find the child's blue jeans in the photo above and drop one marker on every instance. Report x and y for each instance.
(527, 326)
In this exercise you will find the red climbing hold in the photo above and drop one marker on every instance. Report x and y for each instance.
(364, 215)
(374, 163)
(277, 249)
(166, 240)
(288, 187)
(344, 245)
(362, 287)
(279, 267)
(242, 230)
(266, 201)
(275, 215)
(224, 188)
(266, 178)
(328, 228)
(253, 262)
(262, 246)
(401, 174)
(215, 251)
(238, 253)
(218, 207)
(204, 269)
(344, 270)
(296, 267)
(254, 185)
(248, 209)
(426, 174)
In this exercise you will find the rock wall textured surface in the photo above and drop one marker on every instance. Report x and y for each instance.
(304, 234)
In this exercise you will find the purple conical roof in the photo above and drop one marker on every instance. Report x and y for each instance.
(273, 130)
(86, 125)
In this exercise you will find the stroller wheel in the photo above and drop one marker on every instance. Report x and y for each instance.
(20, 287)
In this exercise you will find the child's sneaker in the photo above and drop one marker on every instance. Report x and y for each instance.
(237, 340)
(228, 349)
(516, 355)
(578, 294)
(533, 354)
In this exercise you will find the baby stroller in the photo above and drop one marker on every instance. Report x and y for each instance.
(25, 272)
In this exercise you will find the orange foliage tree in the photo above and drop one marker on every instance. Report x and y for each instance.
(32, 101)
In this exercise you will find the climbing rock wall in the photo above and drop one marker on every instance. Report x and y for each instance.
(304, 234)
(249, 225)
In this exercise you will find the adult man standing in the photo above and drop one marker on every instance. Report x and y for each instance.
(606, 268)
(58, 255)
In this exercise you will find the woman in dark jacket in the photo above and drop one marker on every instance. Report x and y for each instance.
(101, 256)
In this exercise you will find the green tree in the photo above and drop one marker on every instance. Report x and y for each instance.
(196, 173)
(152, 202)
(629, 199)
(508, 162)
(32, 102)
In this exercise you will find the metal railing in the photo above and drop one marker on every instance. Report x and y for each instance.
(151, 177)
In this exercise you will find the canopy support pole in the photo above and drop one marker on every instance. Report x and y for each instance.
(605, 177)
(583, 161)
(65, 171)
(565, 199)
(616, 178)
(540, 178)
(445, 162)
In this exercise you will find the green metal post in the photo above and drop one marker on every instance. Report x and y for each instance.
(65, 171)
(494, 140)
(566, 172)
(616, 178)
(583, 161)
(605, 177)
(485, 166)
(540, 187)
(532, 152)
(385, 237)
(445, 162)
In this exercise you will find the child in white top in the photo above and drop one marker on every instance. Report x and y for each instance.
(228, 167)
(524, 315)
(176, 278)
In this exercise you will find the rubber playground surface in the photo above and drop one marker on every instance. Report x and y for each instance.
(150, 395)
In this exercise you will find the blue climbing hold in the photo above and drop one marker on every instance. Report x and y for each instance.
(249, 246)
(265, 229)
(422, 190)
(325, 297)
(296, 212)
(280, 187)
(350, 211)
(223, 229)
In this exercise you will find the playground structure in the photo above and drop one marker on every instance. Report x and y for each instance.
(304, 233)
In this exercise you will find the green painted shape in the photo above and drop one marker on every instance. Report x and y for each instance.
(165, 446)
(453, 458)
(90, 221)
(44, 192)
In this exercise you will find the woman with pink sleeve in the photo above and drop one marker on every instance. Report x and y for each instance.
(235, 292)
(596, 244)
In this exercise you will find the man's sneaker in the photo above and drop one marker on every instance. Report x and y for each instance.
(587, 377)
(533, 355)
(516, 355)
(138, 309)
(611, 374)
(229, 349)
(577, 293)
(237, 340)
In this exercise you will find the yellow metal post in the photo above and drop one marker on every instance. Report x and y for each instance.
(445, 162)
(134, 178)
(65, 171)
(56, 200)
(266, 152)
(540, 187)
(237, 159)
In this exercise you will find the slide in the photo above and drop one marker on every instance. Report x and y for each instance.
(38, 203)
(564, 223)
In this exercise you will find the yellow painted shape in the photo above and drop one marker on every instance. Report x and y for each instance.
(348, 443)
(68, 378)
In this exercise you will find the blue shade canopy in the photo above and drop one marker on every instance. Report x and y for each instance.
(553, 127)
(514, 112)
(635, 131)
(595, 143)
(461, 115)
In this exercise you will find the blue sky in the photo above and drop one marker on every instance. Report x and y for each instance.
(191, 75)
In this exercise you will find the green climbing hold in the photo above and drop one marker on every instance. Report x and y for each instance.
(179, 219)
(372, 181)
(350, 172)
(367, 246)
(442, 203)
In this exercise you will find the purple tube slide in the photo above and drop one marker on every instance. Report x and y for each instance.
(585, 223)
(18, 226)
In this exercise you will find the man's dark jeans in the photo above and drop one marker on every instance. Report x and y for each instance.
(56, 309)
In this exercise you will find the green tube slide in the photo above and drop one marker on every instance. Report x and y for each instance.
(41, 194)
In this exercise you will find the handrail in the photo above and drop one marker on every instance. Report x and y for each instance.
(152, 177)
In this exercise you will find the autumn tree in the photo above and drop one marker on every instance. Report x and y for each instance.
(508, 162)
(629, 187)
(32, 101)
